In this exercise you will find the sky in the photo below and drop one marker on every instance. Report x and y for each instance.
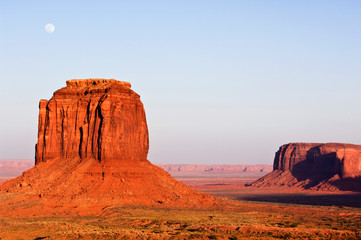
(222, 82)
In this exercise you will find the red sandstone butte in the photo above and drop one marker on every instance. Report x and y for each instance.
(92, 150)
(316, 166)
(94, 118)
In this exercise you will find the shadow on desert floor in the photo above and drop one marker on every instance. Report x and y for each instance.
(341, 200)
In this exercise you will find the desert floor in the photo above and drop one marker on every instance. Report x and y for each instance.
(255, 214)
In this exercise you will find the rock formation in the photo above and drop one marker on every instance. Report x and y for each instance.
(329, 166)
(216, 168)
(92, 149)
(94, 118)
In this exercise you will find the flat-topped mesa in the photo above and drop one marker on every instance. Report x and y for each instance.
(320, 158)
(318, 166)
(92, 154)
(93, 118)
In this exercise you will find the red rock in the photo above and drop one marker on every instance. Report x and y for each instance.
(93, 118)
(92, 151)
(326, 166)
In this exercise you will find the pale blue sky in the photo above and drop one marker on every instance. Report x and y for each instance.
(223, 82)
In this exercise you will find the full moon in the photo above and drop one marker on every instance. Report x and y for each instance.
(49, 28)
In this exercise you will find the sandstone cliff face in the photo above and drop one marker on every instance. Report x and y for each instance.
(93, 118)
(91, 155)
(316, 158)
(315, 165)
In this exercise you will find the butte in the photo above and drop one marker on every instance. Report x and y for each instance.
(92, 152)
(315, 166)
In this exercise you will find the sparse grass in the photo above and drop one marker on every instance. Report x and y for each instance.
(250, 221)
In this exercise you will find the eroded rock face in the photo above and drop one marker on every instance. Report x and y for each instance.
(93, 118)
(326, 166)
(91, 155)
(316, 158)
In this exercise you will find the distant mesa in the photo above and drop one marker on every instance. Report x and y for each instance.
(315, 166)
(92, 150)
(14, 167)
(260, 168)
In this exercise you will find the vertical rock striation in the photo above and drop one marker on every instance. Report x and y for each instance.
(93, 118)
(315, 165)
(92, 153)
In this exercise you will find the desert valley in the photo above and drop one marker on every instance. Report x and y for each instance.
(91, 180)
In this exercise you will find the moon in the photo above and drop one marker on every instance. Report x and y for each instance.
(49, 28)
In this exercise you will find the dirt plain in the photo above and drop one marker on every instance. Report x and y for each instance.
(251, 213)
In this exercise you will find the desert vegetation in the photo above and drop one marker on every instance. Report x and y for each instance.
(247, 220)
